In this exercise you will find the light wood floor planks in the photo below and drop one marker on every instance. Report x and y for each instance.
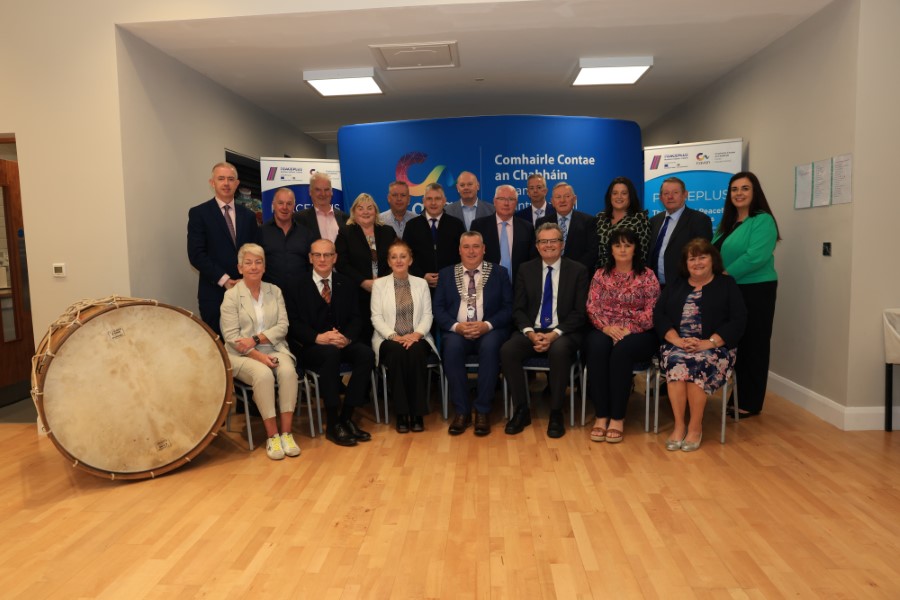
(789, 507)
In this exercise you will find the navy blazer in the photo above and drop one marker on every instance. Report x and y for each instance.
(427, 258)
(307, 218)
(571, 296)
(581, 240)
(722, 309)
(523, 248)
(211, 251)
(692, 224)
(310, 315)
(497, 299)
(527, 213)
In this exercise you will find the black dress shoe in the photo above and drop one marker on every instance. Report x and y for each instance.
(417, 423)
(402, 423)
(355, 431)
(482, 424)
(460, 423)
(556, 428)
(340, 435)
(743, 415)
(520, 419)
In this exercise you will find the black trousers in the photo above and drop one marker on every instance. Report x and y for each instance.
(326, 360)
(752, 365)
(407, 375)
(609, 368)
(561, 354)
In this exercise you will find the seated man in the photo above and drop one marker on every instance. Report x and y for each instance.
(473, 308)
(548, 315)
(324, 327)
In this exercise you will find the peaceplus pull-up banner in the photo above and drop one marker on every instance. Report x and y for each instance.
(586, 152)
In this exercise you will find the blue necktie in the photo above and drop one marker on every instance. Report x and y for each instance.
(547, 301)
(658, 248)
(434, 231)
(505, 259)
(564, 227)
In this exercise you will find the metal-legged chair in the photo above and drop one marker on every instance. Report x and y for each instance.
(649, 368)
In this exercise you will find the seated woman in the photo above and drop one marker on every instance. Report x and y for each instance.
(620, 306)
(701, 317)
(254, 325)
(622, 208)
(401, 316)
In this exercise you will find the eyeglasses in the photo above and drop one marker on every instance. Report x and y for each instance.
(550, 241)
(318, 255)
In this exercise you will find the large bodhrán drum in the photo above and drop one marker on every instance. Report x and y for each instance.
(129, 388)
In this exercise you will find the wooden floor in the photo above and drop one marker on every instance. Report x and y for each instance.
(789, 507)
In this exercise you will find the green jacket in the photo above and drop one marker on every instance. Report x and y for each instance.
(748, 252)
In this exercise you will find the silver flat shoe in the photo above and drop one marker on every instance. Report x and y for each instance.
(691, 446)
(672, 445)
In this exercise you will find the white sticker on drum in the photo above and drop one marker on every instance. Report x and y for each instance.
(116, 333)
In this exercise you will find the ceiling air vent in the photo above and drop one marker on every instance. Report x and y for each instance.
(427, 55)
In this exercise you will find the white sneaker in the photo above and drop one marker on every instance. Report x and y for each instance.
(288, 445)
(273, 448)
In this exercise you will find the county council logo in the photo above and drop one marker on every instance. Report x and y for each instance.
(701, 156)
(417, 158)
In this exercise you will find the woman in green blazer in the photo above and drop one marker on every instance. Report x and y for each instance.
(746, 238)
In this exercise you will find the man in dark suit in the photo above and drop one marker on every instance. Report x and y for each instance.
(539, 207)
(548, 316)
(216, 230)
(468, 207)
(321, 218)
(473, 308)
(286, 243)
(579, 229)
(433, 236)
(672, 229)
(518, 232)
(325, 325)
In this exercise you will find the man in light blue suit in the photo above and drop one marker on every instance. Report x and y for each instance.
(468, 207)
(473, 308)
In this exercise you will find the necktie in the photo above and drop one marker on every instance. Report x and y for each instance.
(547, 300)
(326, 291)
(227, 209)
(657, 248)
(538, 213)
(564, 227)
(434, 231)
(505, 259)
(472, 310)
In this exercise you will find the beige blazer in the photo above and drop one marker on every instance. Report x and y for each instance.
(384, 310)
(238, 317)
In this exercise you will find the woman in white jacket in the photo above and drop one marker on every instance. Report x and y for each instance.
(401, 316)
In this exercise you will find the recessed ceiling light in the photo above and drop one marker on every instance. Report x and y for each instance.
(343, 82)
(612, 71)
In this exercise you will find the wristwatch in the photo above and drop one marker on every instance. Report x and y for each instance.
(713, 340)
(256, 340)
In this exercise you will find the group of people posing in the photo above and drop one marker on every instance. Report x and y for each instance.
(485, 283)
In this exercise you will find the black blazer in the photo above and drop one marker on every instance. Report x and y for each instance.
(426, 257)
(527, 213)
(497, 299)
(310, 315)
(354, 257)
(581, 241)
(692, 224)
(523, 248)
(307, 218)
(571, 299)
(722, 309)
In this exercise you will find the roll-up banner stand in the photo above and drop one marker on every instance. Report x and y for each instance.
(294, 173)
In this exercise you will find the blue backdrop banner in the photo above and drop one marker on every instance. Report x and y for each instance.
(586, 152)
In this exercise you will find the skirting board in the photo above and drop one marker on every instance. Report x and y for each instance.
(852, 418)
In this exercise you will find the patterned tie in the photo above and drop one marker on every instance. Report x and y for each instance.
(564, 227)
(434, 231)
(472, 310)
(326, 291)
(505, 259)
(657, 249)
(547, 300)
(227, 209)
(538, 213)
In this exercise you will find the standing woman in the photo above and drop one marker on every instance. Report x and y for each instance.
(401, 316)
(746, 239)
(622, 209)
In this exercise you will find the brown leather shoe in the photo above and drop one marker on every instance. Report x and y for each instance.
(460, 423)
(482, 424)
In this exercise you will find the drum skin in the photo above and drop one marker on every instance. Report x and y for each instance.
(137, 389)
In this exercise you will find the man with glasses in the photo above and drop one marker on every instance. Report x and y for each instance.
(508, 241)
(325, 325)
(579, 229)
(539, 207)
(548, 318)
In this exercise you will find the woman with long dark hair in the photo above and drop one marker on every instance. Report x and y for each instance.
(622, 209)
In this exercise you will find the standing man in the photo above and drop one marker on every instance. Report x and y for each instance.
(398, 215)
(433, 236)
(579, 229)
(507, 240)
(322, 219)
(325, 325)
(286, 243)
(468, 207)
(674, 228)
(473, 308)
(539, 207)
(548, 315)
(215, 231)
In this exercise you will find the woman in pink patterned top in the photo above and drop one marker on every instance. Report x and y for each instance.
(620, 306)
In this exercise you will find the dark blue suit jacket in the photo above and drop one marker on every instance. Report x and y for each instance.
(498, 298)
(213, 254)
(523, 248)
(528, 214)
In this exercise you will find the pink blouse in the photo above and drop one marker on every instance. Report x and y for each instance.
(623, 299)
